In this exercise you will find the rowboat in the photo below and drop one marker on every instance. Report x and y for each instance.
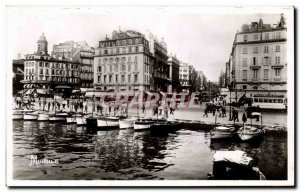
(222, 132)
(127, 123)
(108, 122)
(246, 133)
(60, 116)
(32, 116)
(142, 124)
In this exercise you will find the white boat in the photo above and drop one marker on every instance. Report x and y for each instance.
(142, 124)
(248, 132)
(31, 116)
(43, 116)
(222, 132)
(127, 123)
(71, 119)
(18, 114)
(61, 116)
(108, 122)
(81, 119)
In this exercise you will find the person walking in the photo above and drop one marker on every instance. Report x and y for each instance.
(143, 108)
(49, 105)
(171, 111)
(214, 110)
(53, 105)
(166, 113)
(224, 112)
(205, 112)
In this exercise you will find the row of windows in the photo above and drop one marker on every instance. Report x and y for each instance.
(63, 79)
(265, 36)
(115, 67)
(124, 42)
(54, 65)
(118, 59)
(265, 49)
(265, 61)
(109, 78)
(256, 74)
(123, 50)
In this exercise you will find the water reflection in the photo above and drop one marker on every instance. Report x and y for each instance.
(125, 154)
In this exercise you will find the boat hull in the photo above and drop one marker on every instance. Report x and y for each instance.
(80, 120)
(142, 126)
(43, 117)
(220, 135)
(17, 116)
(106, 123)
(71, 119)
(246, 137)
(91, 122)
(30, 117)
(126, 123)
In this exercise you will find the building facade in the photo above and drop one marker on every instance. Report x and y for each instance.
(18, 74)
(174, 73)
(258, 60)
(79, 52)
(185, 71)
(123, 63)
(43, 71)
(161, 69)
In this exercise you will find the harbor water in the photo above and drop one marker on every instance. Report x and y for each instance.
(184, 154)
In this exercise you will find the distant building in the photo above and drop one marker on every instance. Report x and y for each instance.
(257, 64)
(123, 63)
(185, 71)
(201, 81)
(43, 71)
(79, 52)
(161, 68)
(174, 73)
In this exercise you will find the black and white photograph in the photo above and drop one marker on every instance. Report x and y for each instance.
(149, 96)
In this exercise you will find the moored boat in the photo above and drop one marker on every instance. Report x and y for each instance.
(81, 119)
(43, 116)
(222, 132)
(249, 132)
(32, 116)
(18, 114)
(142, 124)
(127, 122)
(108, 122)
(61, 116)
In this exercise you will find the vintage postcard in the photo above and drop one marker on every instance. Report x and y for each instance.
(150, 96)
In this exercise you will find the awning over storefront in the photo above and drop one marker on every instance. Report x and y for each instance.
(97, 93)
(29, 91)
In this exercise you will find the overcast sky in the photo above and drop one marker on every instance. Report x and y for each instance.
(203, 40)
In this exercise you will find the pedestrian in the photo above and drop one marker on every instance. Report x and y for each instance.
(53, 105)
(224, 112)
(220, 111)
(86, 108)
(49, 105)
(214, 110)
(166, 112)
(101, 109)
(143, 108)
(58, 105)
(160, 110)
(40, 103)
(205, 112)
(63, 105)
(68, 103)
(109, 108)
(171, 111)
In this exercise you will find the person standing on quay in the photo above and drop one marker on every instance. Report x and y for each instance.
(143, 108)
(205, 112)
(49, 105)
(166, 113)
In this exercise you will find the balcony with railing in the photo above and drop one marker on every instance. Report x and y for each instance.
(277, 78)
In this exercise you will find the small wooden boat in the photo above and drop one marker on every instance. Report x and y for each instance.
(142, 124)
(246, 133)
(60, 116)
(43, 116)
(249, 132)
(108, 122)
(222, 132)
(127, 122)
(32, 116)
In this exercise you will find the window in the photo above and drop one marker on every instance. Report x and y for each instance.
(99, 68)
(52, 72)
(277, 48)
(278, 35)
(47, 65)
(135, 78)
(245, 37)
(266, 36)
(277, 72)
(47, 72)
(267, 61)
(244, 62)
(137, 49)
(123, 78)
(255, 36)
(110, 68)
(105, 51)
(129, 78)
(254, 61)
(255, 49)
(116, 78)
(277, 60)
(255, 87)
(104, 79)
(124, 50)
(123, 67)
(266, 49)
(244, 86)
(41, 71)
(244, 75)
(255, 74)
(244, 50)
(266, 74)
(110, 78)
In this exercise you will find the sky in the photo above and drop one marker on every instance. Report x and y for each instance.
(200, 37)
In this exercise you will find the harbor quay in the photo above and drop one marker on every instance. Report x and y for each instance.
(184, 112)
